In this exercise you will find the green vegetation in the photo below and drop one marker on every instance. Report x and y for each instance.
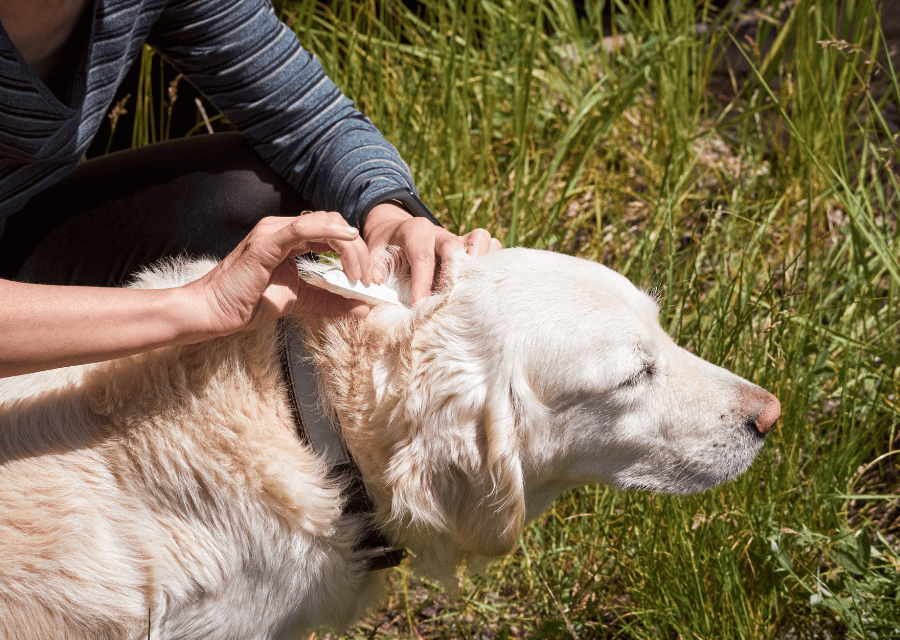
(757, 196)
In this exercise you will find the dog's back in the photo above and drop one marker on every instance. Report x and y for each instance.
(157, 492)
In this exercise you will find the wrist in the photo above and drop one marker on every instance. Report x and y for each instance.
(381, 220)
(187, 316)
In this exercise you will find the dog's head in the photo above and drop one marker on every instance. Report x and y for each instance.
(531, 374)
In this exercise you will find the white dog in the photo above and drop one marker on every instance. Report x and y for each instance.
(168, 495)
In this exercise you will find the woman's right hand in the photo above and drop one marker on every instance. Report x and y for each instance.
(258, 282)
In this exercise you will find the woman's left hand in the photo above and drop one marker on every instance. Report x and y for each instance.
(425, 245)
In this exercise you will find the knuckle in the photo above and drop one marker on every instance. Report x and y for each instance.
(420, 226)
(297, 225)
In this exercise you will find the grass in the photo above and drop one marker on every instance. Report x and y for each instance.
(757, 195)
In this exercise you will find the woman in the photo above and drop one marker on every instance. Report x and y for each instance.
(68, 227)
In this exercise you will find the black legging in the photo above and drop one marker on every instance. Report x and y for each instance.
(115, 214)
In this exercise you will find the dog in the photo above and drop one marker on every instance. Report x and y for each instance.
(167, 495)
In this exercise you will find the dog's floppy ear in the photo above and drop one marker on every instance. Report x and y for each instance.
(461, 474)
(456, 470)
(490, 520)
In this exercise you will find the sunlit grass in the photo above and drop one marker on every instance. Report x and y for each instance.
(758, 203)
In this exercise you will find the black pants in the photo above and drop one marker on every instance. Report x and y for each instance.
(115, 214)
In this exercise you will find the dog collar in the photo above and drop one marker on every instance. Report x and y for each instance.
(316, 431)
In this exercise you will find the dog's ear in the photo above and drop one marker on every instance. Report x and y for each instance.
(462, 473)
(456, 463)
(489, 520)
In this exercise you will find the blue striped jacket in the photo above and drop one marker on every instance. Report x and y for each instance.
(243, 59)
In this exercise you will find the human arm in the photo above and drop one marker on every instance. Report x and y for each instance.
(254, 70)
(44, 327)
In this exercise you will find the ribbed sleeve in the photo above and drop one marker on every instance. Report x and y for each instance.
(247, 63)
(251, 66)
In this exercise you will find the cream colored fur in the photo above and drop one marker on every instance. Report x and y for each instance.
(169, 491)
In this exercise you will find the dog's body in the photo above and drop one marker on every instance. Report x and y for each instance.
(168, 492)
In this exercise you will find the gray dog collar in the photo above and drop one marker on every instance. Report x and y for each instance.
(317, 431)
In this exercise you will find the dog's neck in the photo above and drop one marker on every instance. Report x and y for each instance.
(348, 354)
(434, 457)
(316, 429)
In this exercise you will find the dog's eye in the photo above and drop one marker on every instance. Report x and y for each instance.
(646, 372)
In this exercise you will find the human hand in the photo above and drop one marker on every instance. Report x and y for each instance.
(424, 245)
(258, 282)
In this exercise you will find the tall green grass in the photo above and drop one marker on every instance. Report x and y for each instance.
(758, 201)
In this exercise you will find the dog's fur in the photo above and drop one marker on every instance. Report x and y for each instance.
(169, 491)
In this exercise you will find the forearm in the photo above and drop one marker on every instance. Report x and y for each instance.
(252, 68)
(45, 327)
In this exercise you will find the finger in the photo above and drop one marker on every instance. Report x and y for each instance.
(355, 260)
(354, 254)
(446, 246)
(298, 234)
(477, 242)
(262, 228)
(377, 258)
(353, 264)
(422, 265)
